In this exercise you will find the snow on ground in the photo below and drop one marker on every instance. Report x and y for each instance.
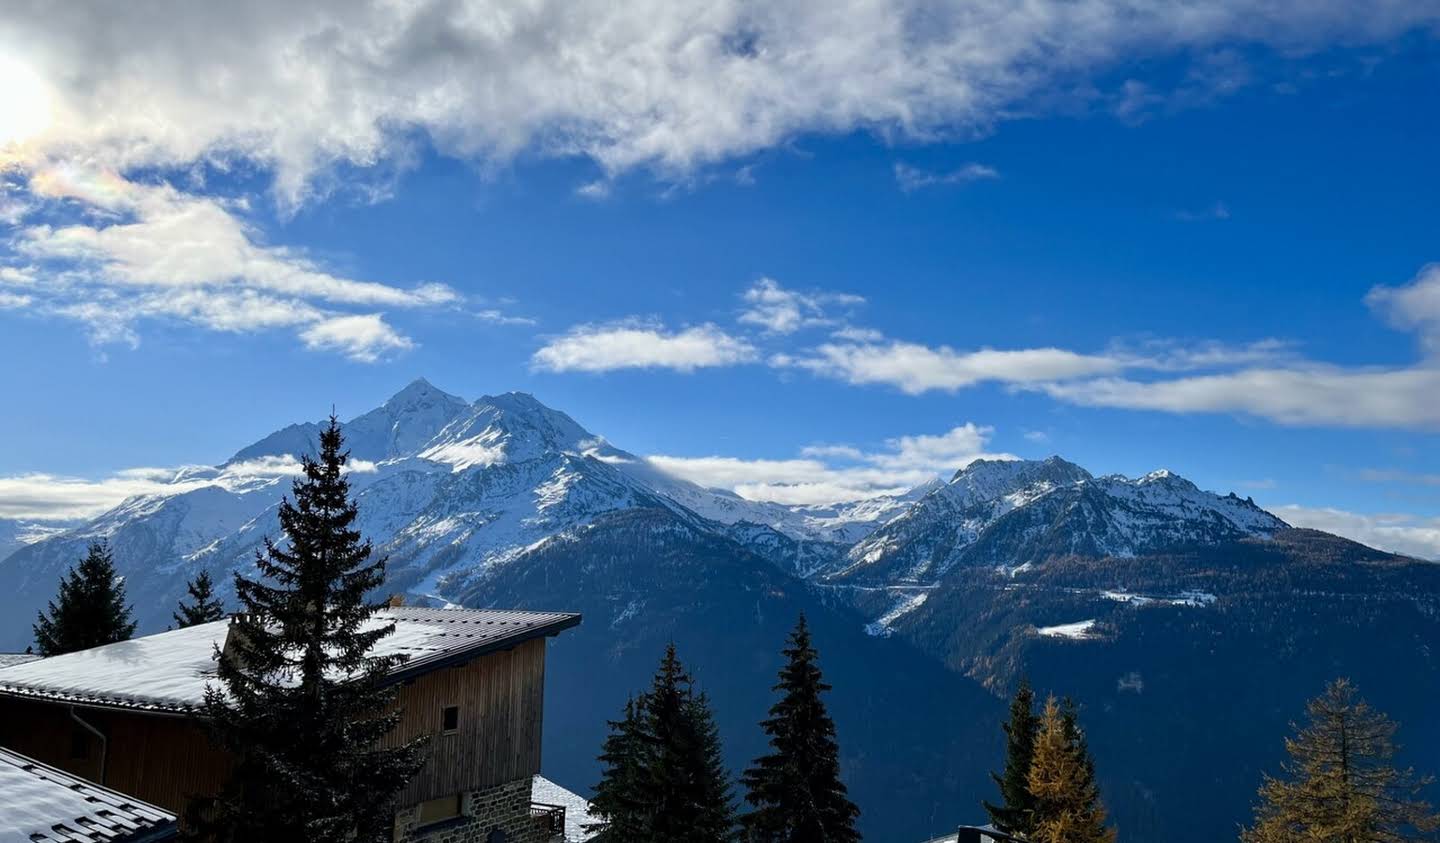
(883, 626)
(1076, 631)
(577, 810)
(1196, 599)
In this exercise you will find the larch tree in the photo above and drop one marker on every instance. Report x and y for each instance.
(795, 792)
(1062, 781)
(1340, 783)
(622, 798)
(302, 703)
(204, 606)
(89, 610)
(1016, 810)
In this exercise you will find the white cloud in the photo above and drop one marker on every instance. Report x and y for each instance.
(782, 311)
(50, 497)
(1414, 306)
(361, 337)
(1312, 395)
(674, 84)
(915, 368)
(1410, 535)
(913, 178)
(827, 474)
(637, 345)
(148, 251)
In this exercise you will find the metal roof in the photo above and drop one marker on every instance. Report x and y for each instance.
(168, 672)
(40, 804)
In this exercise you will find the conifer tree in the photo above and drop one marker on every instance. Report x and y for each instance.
(1062, 781)
(795, 791)
(204, 606)
(1340, 783)
(687, 781)
(303, 704)
(90, 609)
(622, 799)
(1016, 810)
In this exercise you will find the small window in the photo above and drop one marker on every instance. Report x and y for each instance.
(79, 744)
(451, 718)
(438, 810)
(497, 836)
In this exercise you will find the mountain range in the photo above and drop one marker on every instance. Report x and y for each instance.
(1189, 625)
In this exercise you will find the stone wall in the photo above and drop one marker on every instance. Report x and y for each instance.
(505, 807)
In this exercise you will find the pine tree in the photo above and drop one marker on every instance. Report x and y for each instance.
(1340, 782)
(90, 609)
(795, 791)
(1016, 809)
(303, 704)
(1062, 781)
(622, 798)
(664, 779)
(204, 608)
(687, 782)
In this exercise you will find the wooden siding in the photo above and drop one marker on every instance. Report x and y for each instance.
(163, 760)
(501, 702)
(166, 760)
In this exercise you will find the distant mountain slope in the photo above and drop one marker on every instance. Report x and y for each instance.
(916, 740)
(1010, 513)
(1190, 665)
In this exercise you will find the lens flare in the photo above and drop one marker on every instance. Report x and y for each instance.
(25, 108)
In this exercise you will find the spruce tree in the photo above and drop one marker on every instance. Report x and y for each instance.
(1015, 812)
(622, 798)
(204, 606)
(1341, 784)
(1062, 781)
(795, 791)
(689, 789)
(90, 609)
(302, 704)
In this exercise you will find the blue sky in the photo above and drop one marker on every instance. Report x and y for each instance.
(1200, 244)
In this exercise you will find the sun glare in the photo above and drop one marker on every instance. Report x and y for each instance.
(24, 103)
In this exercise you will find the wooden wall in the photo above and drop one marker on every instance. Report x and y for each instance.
(166, 760)
(501, 701)
(162, 760)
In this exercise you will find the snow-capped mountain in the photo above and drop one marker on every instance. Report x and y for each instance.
(447, 489)
(1009, 513)
(452, 490)
(16, 533)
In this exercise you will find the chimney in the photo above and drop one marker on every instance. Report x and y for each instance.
(233, 635)
(395, 601)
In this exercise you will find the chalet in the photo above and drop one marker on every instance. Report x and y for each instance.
(46, 805)
(125, 716)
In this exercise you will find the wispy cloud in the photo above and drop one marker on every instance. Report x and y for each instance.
(138, 252)
(914, 368)
(782, 311)
(50, 497)
(641, 345)
(827, 474)
(912, 178)
(673, 85)
(1216, 212)
(1411, 535)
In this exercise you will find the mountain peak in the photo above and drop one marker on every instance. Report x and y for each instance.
(418, 391)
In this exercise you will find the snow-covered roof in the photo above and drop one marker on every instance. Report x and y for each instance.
(39, 804)
(12, 659)
(168, 671)
(577, 810)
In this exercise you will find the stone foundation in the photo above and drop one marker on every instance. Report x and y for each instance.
(504, 808)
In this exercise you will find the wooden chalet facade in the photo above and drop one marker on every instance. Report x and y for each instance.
(125, 716)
